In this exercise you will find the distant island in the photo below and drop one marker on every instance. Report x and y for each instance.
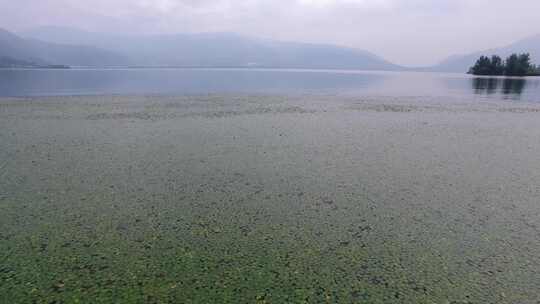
(515, 65)
(12, 63)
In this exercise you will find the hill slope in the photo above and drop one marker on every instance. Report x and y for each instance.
(462, 63)
(217, 50)
(41, 53)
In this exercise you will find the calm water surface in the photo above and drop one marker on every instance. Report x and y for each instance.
(202, 81)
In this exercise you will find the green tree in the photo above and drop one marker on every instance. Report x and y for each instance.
(518, 65)
(481, 67)
(488, 66)
(496, 65)
(514, 65)
(534, 70)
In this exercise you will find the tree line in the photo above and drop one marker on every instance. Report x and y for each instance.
(514, 65)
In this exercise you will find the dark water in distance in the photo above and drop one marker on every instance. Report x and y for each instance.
(201, 81)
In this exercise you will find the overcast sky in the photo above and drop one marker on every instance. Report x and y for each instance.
(408, 32)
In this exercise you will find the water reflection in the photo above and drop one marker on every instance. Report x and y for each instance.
(508, 87)
(514, 86)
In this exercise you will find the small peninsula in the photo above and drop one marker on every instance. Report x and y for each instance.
(12, 63)
(515, 65)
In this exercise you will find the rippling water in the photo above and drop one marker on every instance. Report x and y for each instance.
(202, 81)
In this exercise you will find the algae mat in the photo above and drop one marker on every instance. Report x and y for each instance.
(268, 199)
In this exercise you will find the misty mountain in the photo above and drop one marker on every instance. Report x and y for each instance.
(38, 52)
(462, 63)
(216, 50)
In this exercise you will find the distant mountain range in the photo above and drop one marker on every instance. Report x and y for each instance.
(80, 48)
(15, 49)
(73, 47)
(462, 63)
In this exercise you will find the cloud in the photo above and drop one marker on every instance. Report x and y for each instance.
(413, 32)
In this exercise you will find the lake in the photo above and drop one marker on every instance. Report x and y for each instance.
(269, 81)
(268, 186)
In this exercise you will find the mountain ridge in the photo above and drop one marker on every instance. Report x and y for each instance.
(217, 50)
(462, 63)
(64, 45)
(41, 52)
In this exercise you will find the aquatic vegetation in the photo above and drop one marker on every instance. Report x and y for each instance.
(270, 200)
